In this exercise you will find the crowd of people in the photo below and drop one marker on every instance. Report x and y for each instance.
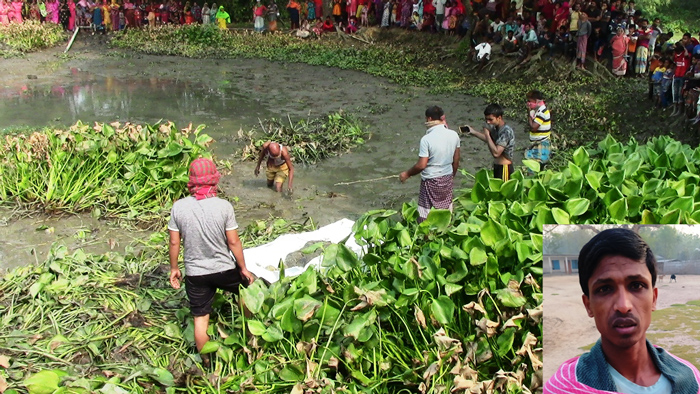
(613, 32)
(112, 15)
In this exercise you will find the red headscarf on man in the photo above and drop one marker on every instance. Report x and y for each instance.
(203, 178)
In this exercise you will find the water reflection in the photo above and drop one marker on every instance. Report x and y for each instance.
(90, 97)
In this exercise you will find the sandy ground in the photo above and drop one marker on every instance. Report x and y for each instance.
(567, 327)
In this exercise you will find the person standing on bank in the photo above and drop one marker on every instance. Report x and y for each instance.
(438, 161)
(540, 124)
(207, 226)
(499, 138)
(279, 165)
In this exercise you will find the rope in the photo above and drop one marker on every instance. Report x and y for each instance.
(366, 180)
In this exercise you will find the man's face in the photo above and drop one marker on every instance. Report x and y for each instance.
(621, 299)
(644, 24)
(493, 120)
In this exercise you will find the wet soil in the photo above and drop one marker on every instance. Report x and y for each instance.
(95, 83)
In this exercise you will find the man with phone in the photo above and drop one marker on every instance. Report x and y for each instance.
(499, 138)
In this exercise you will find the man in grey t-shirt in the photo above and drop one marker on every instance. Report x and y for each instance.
(438, 161)
(207, 226)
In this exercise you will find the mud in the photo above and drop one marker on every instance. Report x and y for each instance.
(94, 83)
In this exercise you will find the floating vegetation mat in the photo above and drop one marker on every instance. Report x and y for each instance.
(29, 36)
(114, 170)
(308, 140)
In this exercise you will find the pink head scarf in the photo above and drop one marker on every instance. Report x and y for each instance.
(203, 178)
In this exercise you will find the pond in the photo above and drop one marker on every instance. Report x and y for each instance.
(230, 95)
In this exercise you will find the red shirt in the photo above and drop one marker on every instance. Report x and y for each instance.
(682, 63)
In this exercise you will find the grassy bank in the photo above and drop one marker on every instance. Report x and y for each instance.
(29, 36)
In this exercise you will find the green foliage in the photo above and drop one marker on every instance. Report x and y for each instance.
(679, 16)
(448, 302)
(308, 140)
(29, 36)
(114, 170)
(647, 183)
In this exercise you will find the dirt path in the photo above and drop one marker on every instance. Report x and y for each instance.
(567, 327)
(394, 114)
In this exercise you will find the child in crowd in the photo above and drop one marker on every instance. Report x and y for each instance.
(667, 81)
(415, 20)
(656, 77)
(365, 16)
(352, 25)
(510, 44)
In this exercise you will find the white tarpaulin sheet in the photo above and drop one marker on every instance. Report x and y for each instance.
(263, 260)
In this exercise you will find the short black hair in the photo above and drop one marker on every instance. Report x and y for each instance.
(434, 112)
(534, 95)
(493, 109)
(687, 35)
(613, 242)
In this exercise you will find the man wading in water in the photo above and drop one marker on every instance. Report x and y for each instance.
(207, 226)
(279, 165)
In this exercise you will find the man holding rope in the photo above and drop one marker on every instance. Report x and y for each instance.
(213, 252)
(438, 160)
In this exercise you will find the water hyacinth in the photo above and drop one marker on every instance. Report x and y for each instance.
(31, 35)
(308, 140)
(114, 170)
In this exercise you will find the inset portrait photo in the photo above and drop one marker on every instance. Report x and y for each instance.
(621, 308)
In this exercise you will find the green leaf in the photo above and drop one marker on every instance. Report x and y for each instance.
(451, 288)
(290, 373)
(359, 322)
(273, 333)
(672, 217)
(210, 347)
(43, 382)
(443, 309)
(505, 341)
(340, 256)
(492, 232)
(594, 178)
(560, 216)
(581, 157)
(438, 219)
(477, 256)
(511, 298)
(172, 149)
(256, 328)
(254, 295)
(532, 165)
(577, 206)
(305, 307)
(164, 377)
(618, 209)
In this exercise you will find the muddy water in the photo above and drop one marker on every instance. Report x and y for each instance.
(228, 95)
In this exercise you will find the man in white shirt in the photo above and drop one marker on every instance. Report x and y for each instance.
(438, 161)
(482, 53)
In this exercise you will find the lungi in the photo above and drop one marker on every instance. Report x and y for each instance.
(434, 193)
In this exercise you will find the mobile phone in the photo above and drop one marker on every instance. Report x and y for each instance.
(464, 129)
